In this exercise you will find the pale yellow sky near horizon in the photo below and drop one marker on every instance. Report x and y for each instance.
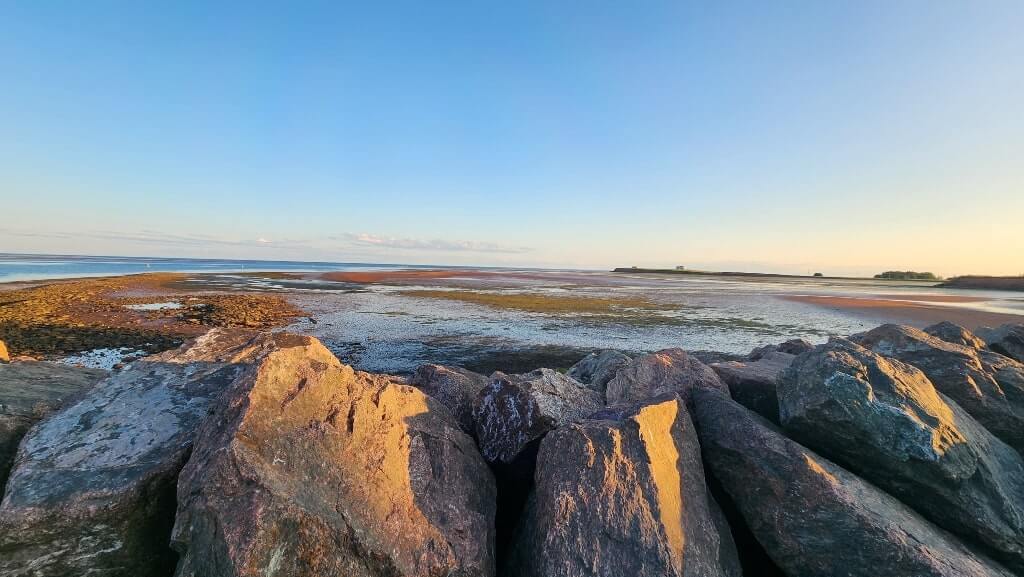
(957, 252)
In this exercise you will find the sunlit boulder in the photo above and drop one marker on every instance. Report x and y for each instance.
(623, 493)
(307, 467)
(882, 419)
(987, 385)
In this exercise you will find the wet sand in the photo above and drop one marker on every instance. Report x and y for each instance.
(910, 309)
(933, 298)
(141, 311)
(394, 320)
(413, 276)
(399, 275)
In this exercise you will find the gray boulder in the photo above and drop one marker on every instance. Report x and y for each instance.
(92, 489)
(667, 371)
(790, 347)
(622, 493)
(513, 411)
(882, 419)
(455, 387)
(512, 414)
(987, 385)
(597, 368)
(956, 334)
(814, 517)
(753, 383)
(307, 467)
(30, 391)
(1006, 340)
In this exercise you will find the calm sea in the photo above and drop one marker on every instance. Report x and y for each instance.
(27, 267)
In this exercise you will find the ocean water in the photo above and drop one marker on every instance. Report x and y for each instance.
(29, 267)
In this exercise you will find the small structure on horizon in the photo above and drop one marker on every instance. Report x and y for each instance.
(680, 267)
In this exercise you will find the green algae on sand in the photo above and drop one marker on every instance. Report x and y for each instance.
(543, 303)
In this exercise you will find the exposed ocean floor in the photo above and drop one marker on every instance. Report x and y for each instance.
(385, 330)
(518, 320)
(391, 328)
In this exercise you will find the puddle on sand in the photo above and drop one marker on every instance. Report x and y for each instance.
(103, 358)
(155, 306)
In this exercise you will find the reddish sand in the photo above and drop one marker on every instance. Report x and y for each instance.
(912, 313)
(389, 276)
(398, 275)
(933, 298)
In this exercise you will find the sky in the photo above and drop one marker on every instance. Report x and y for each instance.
(818, 136)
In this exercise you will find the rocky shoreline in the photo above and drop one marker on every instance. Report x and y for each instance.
(888, 453)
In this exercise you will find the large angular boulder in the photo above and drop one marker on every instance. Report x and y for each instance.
(92, 489)
(622, 493)
(307, 467)
(667, 371)
(753, 383)
(599, 367)
(814, 517)
(987, 385)
(956, 334)
(512, 414)
(29, 392)
(514, 411)
(790, 347)
(1006, 340)
(455, 387)
(882, 419)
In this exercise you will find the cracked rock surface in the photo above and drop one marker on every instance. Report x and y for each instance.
(92, 488)
(623, 493)
(307, 467)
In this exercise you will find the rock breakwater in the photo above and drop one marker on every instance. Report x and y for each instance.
(253, 453)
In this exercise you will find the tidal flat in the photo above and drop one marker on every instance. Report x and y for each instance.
(393, 321)
(498, 321)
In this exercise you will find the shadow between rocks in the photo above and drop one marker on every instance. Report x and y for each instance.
(515, 483)
(753, 557)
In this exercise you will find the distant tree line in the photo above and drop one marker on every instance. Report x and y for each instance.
(907, 275)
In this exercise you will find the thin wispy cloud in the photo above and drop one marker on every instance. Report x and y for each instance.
(143, 237)
(342, 244)
(366, 239)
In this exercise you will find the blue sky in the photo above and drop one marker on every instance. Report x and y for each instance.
(846, 137)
